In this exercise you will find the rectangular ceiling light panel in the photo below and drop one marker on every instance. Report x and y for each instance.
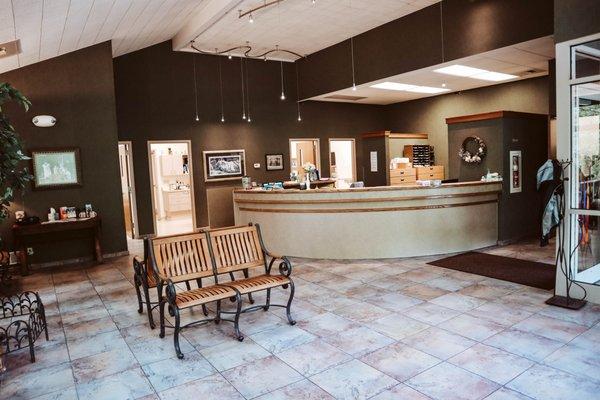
(408, 88)
(474, 73)
(392, 86)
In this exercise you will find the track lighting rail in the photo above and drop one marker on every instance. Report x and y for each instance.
(247, 49)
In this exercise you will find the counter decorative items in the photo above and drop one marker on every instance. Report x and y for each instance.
(473, 158)
(309, 169)
(221, 165)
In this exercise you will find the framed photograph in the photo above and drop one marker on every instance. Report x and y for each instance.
(516, 168)
(56, 168)
(274, 162)
(221, 165)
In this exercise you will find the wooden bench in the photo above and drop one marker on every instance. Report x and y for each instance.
(241, 248)
(183, 258)
(145, 280)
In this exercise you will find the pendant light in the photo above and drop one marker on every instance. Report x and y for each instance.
(248, 95)
(195, 88)
(243, 89)
(221, 91)
(282, 97)
(352, 57)
(298, 94)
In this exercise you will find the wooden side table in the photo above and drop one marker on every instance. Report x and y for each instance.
(25, 235)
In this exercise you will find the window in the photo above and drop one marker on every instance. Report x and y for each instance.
(303, 151)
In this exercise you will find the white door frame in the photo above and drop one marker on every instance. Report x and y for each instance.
(191, 169)
(354, 177)
(318, 150)
(564, 151)
(132, 196)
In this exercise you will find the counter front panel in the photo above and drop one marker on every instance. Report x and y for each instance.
(379, 222)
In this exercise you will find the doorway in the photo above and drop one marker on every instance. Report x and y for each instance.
(303, 151)
(172, 184)
(342, 159)
(128, 189)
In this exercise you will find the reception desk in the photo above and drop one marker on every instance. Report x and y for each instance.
(375, 222)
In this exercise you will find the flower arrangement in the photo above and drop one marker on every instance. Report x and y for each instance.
(308, 167)
(469, 157)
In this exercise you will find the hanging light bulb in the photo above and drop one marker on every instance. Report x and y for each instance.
(282, 97)
(195, 88)
(251, 19)
(299, 118)
(197, 119)
(298, 95)
(354, 87)
(229, 56)
(314, 1)
(222, 118)
(249, 120)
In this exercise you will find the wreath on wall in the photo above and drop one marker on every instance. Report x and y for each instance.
(472, 157)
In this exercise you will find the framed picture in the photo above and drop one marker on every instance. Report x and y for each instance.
(274, 162)
(516, 167)
(221, 165)
(56, 168)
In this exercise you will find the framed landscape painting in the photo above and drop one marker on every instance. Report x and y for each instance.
(221, 165)
(56, 168)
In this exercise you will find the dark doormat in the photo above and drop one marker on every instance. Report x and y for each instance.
(530, 273)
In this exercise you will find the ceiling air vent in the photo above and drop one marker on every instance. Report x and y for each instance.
(344, 97)
(10, 48)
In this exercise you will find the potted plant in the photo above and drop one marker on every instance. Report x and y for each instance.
(13, 175)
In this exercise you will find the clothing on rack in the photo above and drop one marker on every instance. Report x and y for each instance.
(550, 187)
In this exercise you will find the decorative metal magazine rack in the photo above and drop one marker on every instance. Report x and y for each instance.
(22, 321)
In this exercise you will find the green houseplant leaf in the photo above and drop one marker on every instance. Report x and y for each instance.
(13, 176)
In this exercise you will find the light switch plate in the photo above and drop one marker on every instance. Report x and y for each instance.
(256, 165)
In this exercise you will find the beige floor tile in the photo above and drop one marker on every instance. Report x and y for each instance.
(400, 361)
(313, 357)
(353, 380)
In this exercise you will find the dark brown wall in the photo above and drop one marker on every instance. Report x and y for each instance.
(429, 114)
(76, 88)
(155, 101)
(518, 212)
(575, 18)
(417, 41)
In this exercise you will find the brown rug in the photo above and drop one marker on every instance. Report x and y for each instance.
(530, 273)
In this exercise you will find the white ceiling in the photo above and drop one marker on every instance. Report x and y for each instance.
(297, 25)
(517, 60)
(48, 28)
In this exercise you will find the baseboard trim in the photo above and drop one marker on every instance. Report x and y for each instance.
(78, 260)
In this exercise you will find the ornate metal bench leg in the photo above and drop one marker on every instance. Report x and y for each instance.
(31, 352)
(176, 333)
(161, 307)
(236, 321)
(268, 302)
(289, 304)
(137, 285)
(218, 316)
(204, 309)
(246, 275)
(149, 307)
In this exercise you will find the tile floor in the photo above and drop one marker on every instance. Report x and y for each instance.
(391, 329)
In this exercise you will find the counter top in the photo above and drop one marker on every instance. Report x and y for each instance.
(368, 189)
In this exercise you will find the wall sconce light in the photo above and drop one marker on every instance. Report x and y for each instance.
(44, 121)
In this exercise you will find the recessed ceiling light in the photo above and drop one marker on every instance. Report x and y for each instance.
(392, 86)
(427, 89)
(460, 70)
(493, 76)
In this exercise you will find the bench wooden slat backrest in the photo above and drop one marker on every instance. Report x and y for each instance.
(236, 248)
(182, 257)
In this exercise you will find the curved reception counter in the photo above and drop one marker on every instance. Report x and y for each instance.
(376, 222)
